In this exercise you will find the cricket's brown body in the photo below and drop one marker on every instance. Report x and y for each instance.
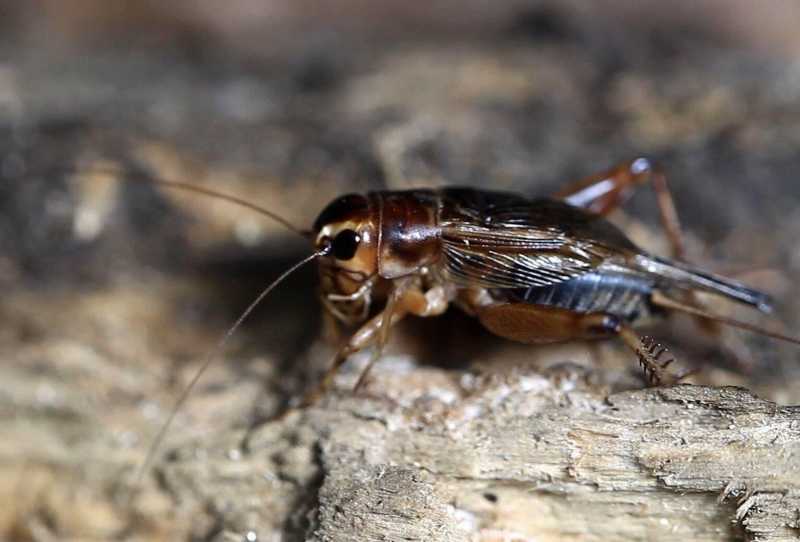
(534, 271)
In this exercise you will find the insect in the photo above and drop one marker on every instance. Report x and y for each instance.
(531, 270)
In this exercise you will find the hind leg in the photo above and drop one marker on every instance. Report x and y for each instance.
(653, 357)
(536, 324)
(604, 192)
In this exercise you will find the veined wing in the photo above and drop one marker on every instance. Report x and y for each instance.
(499, 240)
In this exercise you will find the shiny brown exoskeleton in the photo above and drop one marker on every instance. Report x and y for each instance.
(531, 270)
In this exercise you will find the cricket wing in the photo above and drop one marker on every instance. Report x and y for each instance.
(498, 240)
(681, 275)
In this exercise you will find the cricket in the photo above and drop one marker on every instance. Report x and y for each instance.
(534, 271)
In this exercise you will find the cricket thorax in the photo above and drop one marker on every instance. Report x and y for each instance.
(409, 231)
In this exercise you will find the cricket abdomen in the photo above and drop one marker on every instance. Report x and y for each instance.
(624, 295)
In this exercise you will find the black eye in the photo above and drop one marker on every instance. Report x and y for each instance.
(345, 244)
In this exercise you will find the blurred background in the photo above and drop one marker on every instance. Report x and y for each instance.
(112, 291)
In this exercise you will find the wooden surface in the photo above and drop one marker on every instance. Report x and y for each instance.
(113, 291)
(525, 458)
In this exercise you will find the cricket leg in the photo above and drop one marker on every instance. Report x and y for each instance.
(361, 339)
(406, 301)
(536, 324)
(653, 357)
(603, 192)
(366, 336)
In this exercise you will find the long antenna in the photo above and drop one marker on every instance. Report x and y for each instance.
(198, 190)
(669, 303)
(212, 355)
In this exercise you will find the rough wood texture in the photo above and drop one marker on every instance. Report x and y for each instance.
(113, 292)
(523, 458)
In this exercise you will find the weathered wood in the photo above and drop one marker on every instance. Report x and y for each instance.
(521, 459)
(112, 293)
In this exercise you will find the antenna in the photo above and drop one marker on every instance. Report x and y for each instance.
(197, 190)
(212, 356)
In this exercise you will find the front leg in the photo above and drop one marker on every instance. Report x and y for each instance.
(406, 298)
(408, 301)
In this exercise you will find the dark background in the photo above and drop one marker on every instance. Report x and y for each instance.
(113, 291)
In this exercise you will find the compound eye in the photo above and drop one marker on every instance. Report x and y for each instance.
(641, 165)
(345, 245)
